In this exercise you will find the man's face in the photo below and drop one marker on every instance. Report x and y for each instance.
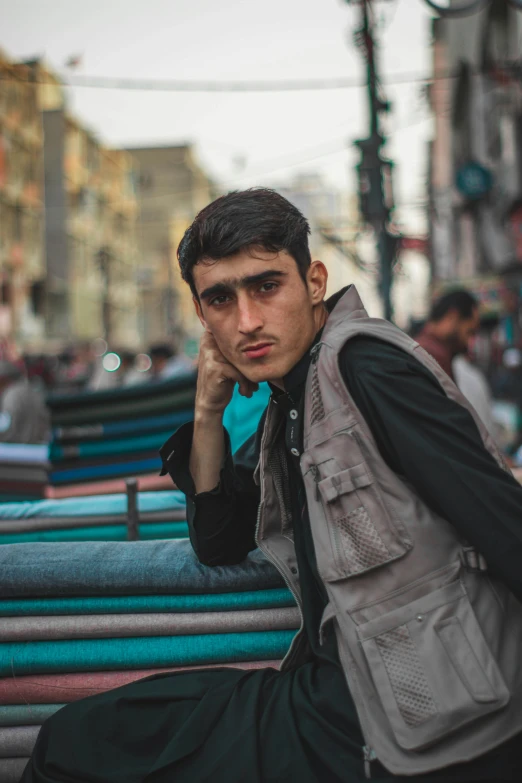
(261, 313)
(465, 329)
(459, 330)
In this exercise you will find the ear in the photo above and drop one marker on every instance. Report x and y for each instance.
(199, 311)
(317, 279)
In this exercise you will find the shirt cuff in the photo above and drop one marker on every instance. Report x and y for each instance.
(175, 456)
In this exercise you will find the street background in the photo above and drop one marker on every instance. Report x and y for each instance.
(118, 122)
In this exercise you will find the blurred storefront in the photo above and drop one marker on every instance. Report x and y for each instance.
(475, 181)
(173, 188)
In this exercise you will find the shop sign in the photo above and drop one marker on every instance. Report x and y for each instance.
(473, 180)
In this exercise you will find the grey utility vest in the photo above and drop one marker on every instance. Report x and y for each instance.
(430, 643)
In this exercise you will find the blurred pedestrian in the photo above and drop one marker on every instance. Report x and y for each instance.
(453, 321)
(446, 335)
(167, 363)
(474, 386)
(123, 374)
(24, 417)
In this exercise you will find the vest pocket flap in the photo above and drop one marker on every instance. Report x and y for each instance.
(346, 481)
(464, 660)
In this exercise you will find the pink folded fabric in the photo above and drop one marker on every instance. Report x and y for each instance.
(64, 688)
(110, 487)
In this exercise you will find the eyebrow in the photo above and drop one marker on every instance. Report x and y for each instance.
(227, 286)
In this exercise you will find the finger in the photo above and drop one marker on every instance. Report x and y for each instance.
(246, 387)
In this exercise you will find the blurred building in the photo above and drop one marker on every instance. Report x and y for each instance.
(22, 264)
(91, 214)
(173, 187)
(339, 239)
(68, 213)
(476, 155)
(335, 237)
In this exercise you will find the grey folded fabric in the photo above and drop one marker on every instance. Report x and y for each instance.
(16, 741)
(15, 629)
(124, 568)
(11, 769)
(65, 523)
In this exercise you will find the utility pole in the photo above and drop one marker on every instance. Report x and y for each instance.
(374, 172)
(103, 257)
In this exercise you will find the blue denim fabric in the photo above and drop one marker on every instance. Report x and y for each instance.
(124, 568)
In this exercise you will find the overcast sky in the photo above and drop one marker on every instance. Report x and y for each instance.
(275, 133)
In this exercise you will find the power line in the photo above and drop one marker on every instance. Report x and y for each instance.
(174, 85)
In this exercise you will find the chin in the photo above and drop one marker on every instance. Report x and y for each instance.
(269, 373)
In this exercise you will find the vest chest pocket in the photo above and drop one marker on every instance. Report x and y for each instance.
(362, 534)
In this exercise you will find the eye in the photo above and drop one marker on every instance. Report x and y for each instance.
(268, 287)
(219, 300)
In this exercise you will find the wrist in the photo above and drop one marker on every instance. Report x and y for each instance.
(208, 416)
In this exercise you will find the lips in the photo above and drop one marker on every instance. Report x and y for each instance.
(257, 351)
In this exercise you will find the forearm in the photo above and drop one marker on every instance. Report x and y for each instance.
(207, 453)
(222, 520)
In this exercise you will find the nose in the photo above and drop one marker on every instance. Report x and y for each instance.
(249, 315)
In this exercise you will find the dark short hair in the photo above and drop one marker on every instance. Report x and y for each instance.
(243, 219)
(161, 351)
(460, 300)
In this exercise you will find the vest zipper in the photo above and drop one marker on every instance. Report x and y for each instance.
(317, 479)
(369, 756)
(297, 597)
(314, 353)
(269, 556)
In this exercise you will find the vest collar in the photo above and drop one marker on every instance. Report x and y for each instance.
(346, 303)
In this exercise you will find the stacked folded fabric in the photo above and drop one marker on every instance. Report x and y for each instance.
(102, 437)
(97, 518)
(24, 471)
(80, 618)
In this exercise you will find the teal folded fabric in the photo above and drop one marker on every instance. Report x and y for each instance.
(95, 505)
(27, 714)
(149, 531)
(136, 466)
(90, 432)
(129, 604)
(149, 652)
(116, 446)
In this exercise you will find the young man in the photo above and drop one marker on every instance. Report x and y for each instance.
(375, 492)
